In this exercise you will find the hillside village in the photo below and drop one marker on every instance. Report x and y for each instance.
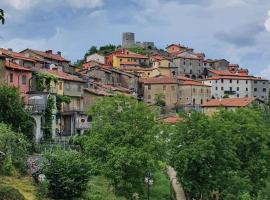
(176, 79)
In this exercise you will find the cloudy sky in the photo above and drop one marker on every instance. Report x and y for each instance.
(237, 30)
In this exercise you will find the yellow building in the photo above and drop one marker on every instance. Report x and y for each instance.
(125, 58)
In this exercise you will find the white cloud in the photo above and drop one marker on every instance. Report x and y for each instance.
(28, 4)
(267, 22)
(265, 73)
(229, 3)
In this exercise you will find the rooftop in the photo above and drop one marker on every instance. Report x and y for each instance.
(158, 80)
(229, 102)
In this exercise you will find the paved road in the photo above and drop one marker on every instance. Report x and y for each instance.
(179, 192)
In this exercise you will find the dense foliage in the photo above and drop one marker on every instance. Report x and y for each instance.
(138, 50)
(67, 173)
(10, 193)
(48, 115)
(60, 99)
(12, 111)
(123, 143)
(2, 16)
(13, 150)
(227, 155)
(44, 81)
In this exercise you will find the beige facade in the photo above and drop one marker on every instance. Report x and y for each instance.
(170, 92)
(193, 94)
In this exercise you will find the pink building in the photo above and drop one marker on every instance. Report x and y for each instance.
(17, 76)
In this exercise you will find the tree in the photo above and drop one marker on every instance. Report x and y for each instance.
(12, 111)
(123, 143)
(2, 16)
(107, 49)
(91, 51)
(13, 150)
(138, 50)
(68, 173)
(160, 100)
(227, 153)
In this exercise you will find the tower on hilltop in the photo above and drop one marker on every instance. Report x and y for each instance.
(128, 39)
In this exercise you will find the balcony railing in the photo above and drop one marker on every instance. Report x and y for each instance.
(71, 108)
(36, 109)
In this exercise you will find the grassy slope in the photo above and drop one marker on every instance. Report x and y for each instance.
(25, 186)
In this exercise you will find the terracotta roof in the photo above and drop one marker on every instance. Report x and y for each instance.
(16, 55)
(229, 102)
(193, 83)
(49, 55)
(92, 63)
(172, 119)
(98, 92)
(183, 78)
(15, 66)
(63, 75)
(241, 76)
(131, 55)
(223, 73)
(158, 80)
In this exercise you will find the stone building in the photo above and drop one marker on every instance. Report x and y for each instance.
(128, 39)
(149, 88)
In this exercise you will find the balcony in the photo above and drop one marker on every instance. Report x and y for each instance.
(36, 109)
(72, 108)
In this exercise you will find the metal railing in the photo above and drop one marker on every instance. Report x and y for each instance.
(36, 108)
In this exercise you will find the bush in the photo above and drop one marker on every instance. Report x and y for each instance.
(67, 173)
(42, 189)
(14, 148)
(10, 193)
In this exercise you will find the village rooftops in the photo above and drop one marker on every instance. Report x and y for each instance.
(49, 55)
(62, 75)
(15, 55)
(93, 63)
(137, 69)
(229, 102)
(15, 66)
(188, 81)
(158, 80)
(133, 55)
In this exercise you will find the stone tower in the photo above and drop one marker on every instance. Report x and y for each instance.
(128, 39)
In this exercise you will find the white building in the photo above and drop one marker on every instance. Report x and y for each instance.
(234, 85)
(96, 57)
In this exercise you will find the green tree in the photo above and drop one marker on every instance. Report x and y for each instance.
(104, 50)
(123, 143)
(2, 16)
(12, 111)
(48, 115)
(160, 100)
(228, 153)
(91, 51)
(67, 172)
(138, 50)
(13, 150)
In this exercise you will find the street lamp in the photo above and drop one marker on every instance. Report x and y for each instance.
(149, 181)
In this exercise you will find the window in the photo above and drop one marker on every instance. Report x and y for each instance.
(201, 90)
(184, 63)
(11, 78)
(149, 87)
(216, 81)
(199, 64)
(120, 59)
(230, 80)
(79, 88)
(149, 96)
(255, 89)
(191, 71)
(60, 86)
(237, 81)
(222, 88)
(67, 86)
(24, 80)
(201, 101)
(190, 63)
(264, 89)
(194, 90)
(237, 88)
(264, 83)
(255, 82)
(230, 88)
(237, 95)
(164, 87)
(222, 80)
(246, 82)
(216, 88)
(246, 89)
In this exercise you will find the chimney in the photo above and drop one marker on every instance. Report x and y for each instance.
(48, 51)
(59, 53)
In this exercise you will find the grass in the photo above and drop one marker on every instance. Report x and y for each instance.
(25, 185)
(99, 188)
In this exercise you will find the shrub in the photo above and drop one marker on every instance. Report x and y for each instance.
(67, 173)
(10, 193)
(42, 189)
